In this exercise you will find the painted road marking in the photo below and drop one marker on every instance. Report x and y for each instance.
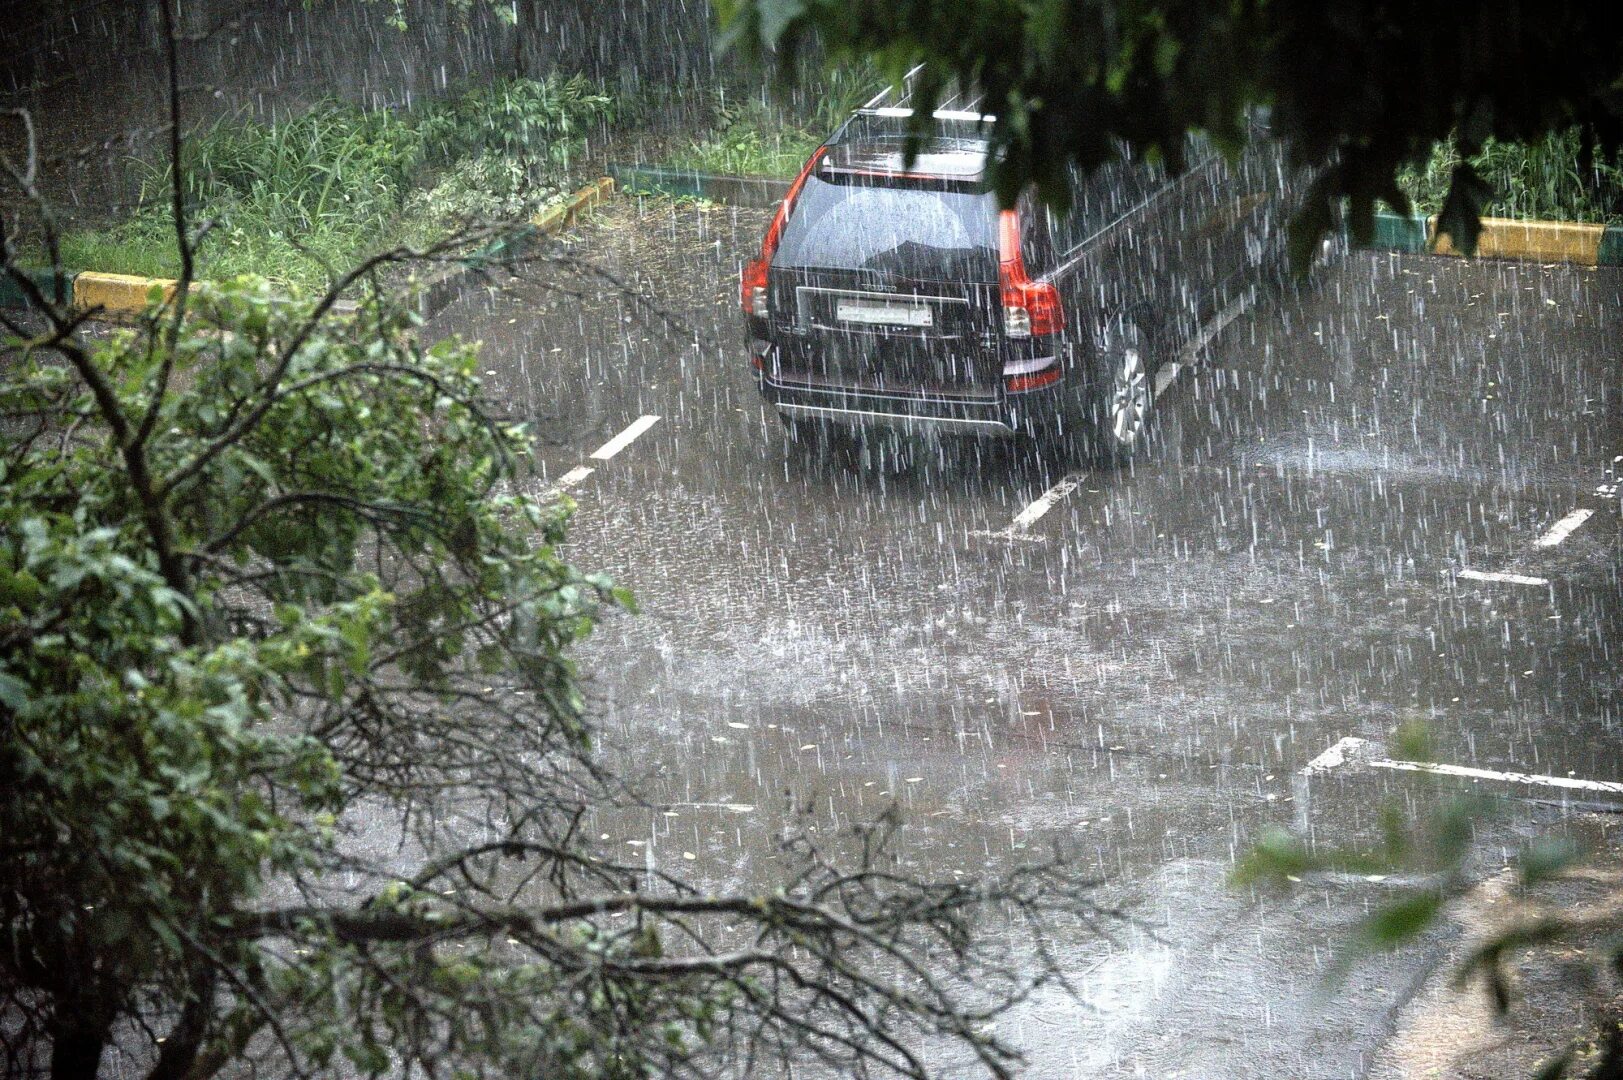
(625, 438)
(1186, 358)
(1564, 528)
(1507, 777)
(571, 478)
(1025, 519)
(1496, 575)
(1342, 751)
(1334, 757)
(1164, 377)
(1045, 502)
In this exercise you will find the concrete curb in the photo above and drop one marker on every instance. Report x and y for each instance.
(441, 289)
(755, 191)
(124, 296)
(1506, 238)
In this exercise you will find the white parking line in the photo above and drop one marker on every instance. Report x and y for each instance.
(1564, 528)
(625, 438)
(571, 478)
(1343, 750)
(1167, 372)
(1045, 502)
(1164, 377)
(1507, 777)
(1334, 757)
(1496, 575)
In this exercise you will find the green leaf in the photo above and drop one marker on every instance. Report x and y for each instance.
(1412, 741)
(1399, 921)
(491, 659)
(1556, 1067)
(1547, 857)
(1277, 858)
(13, 692)
(1453, 827)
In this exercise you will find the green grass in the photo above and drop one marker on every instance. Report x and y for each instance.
(297, 200)
(752, 137)
(1531, 181)
(747, 150)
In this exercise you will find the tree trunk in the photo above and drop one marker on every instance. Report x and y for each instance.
(76, 1046)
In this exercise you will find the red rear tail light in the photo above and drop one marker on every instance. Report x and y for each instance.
(1036, 380)
(1030, 308)
(752, 287)
(752, 284)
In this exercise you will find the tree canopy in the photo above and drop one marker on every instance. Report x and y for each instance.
(1361, 87)
(270, 571)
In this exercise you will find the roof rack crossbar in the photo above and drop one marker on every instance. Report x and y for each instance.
(902, 93)
(898, 97)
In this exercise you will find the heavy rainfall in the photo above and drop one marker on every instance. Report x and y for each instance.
(1360, 560)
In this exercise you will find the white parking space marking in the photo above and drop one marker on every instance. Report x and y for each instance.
(571, 478)
(1334, 757)
(1508, 777)
(1164, 377)
(1187, 357)
(1025, 519)
(1045, 502)
(625, 438)
(1499, 576)
(1564, 528)
(1347, 749)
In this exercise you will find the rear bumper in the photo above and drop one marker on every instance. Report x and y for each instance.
(992, 415)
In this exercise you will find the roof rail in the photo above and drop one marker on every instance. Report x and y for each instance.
(895, 100)
(884, 97)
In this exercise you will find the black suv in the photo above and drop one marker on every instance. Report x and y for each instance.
(896, 294)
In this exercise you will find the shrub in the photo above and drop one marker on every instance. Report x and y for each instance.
(1542, 179)
(540, 121)
(752, 137)
(291, 199)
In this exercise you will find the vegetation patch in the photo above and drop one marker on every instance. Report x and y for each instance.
(1546, 180)
(298, 199)
(757, 136)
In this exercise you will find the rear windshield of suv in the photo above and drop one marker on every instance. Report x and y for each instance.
(922, 232)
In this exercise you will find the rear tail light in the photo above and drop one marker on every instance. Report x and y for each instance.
(1030, 308)
(1035, 380)
(752, 285)
(752, 290)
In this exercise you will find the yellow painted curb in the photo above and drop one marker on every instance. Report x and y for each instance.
(126, 295)
(120, 294)
(1542, 241)
(557, 217)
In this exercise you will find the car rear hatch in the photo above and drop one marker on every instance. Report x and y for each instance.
(886, 277)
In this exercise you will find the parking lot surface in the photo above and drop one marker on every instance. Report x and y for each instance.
(1390, 496)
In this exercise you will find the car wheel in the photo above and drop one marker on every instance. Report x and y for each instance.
(1121, 395)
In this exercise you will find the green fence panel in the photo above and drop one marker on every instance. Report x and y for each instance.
(1395, 233)
(1611, 247)
(13, 295)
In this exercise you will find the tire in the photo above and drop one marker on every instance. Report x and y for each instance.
(1119, 395)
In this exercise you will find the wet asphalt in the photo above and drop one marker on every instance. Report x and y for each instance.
(1138, 676)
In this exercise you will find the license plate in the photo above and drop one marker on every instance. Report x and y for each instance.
(879, 314)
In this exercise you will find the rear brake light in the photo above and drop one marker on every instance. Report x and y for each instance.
(752, 290)
(1030, 308)
(1036, 380)
(752, 285)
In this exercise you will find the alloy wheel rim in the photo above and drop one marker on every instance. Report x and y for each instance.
(1129, 398)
